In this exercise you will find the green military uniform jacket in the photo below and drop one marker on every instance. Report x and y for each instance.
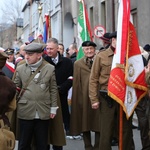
(100, 73)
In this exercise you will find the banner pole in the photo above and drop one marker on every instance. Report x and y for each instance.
(121, 129)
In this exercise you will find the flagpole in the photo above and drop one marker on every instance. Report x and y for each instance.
(121, 128)
(50, 31)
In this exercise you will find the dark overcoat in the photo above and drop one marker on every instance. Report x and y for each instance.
(83, 117)
(7, 95)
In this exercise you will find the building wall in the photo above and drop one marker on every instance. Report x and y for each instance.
(64, 14)
(143, 14)
(69, 9)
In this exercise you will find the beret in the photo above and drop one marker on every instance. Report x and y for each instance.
(34, 47)
(9, 51)
(88, 43)
(106, 37)
(113, 35)
(3, 57)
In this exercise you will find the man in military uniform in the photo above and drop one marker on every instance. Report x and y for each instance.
(84, 119)
(108, 107)
(9, 67)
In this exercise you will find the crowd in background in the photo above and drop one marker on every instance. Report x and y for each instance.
(75, 109)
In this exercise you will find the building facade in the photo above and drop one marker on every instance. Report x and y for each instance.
(64, 14)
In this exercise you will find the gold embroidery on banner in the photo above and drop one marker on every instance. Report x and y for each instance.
(129, 97)
(131, 70)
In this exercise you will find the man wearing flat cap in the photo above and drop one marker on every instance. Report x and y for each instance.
(99, 77)
(37, 101)
(83, 118)
(9, 67)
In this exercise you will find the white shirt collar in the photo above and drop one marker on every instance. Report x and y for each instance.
(56, 59)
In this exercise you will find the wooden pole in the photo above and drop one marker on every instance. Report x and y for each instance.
(121, 129)
(50, 31)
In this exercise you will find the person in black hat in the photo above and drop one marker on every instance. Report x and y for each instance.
(98, 81)
(88, 43)
(83, 118)
(147, 47)
(113, 35)
(9, 67)
(38, 102)
(9, 51)
(106, 41)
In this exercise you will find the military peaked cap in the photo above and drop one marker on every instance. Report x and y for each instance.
(9, 51)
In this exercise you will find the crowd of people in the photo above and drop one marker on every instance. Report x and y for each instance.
(59, 97)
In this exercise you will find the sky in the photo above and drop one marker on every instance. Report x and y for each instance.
(2, 5)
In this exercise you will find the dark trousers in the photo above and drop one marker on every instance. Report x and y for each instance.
(37, 128)
(65, 111)
(107, 126)
(87, 141)
(143, 123)
(55, 147)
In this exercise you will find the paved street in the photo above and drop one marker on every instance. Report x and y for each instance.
(78, 144)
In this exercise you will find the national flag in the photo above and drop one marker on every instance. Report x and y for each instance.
(46, 28)
(83, 28)
(40, 28)
(127, 78)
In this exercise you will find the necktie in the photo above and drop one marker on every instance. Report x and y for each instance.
(55, 61)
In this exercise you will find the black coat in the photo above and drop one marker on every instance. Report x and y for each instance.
(64, 73)
(73, 57)
(7, 92)
(7, 97)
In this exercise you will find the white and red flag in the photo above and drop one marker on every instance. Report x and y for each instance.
(40, 28)
(127, 79)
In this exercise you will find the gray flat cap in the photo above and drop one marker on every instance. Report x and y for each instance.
(34, 47)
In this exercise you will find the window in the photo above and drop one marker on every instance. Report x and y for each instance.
(91, 18)
(134, 18)
(103, 13)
